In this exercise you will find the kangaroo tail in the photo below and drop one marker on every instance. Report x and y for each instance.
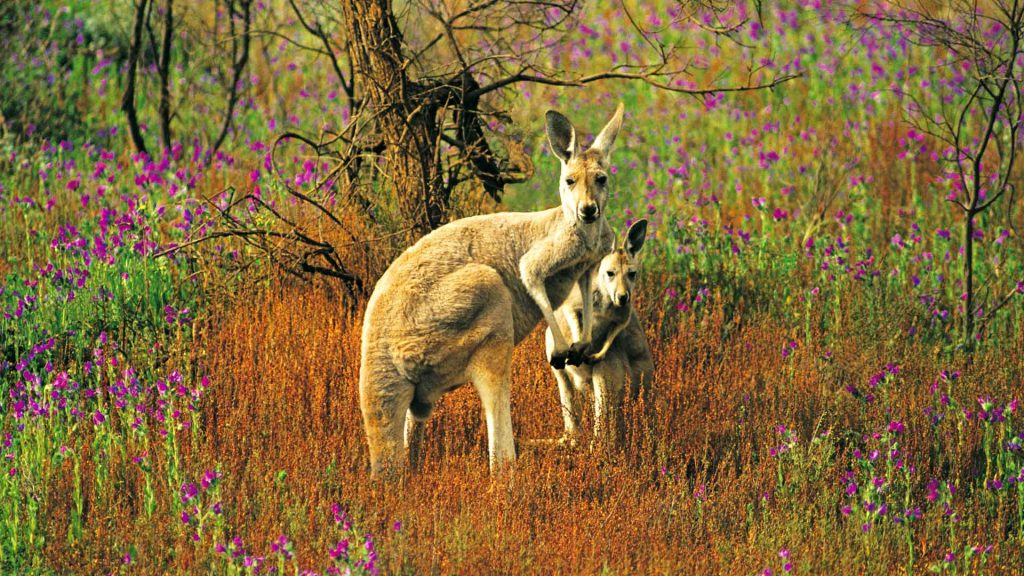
(420, 410)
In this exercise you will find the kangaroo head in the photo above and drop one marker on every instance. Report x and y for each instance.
(583, 186)
(616, 275)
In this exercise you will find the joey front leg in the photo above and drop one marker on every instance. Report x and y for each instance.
(609, 339)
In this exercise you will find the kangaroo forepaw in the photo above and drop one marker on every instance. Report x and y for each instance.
(577, 354)
(558, 359)
(592, 359)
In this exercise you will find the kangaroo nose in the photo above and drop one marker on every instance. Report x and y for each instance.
(623, 299)
(589, 211)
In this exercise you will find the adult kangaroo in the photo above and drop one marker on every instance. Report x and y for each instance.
(452, 307)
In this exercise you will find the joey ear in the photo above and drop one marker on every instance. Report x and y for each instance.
(635, 237)
(603, 142)
(561, 136)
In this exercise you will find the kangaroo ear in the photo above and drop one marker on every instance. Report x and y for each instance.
(603, 142)
(635, 237)
(561, 136)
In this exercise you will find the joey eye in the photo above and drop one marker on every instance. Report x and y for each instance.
(602, 179)
(611, 273)
(569, 181)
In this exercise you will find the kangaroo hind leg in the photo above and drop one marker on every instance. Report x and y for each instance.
(384, 397)
(609, 389)
(414, 429)
(490, 368)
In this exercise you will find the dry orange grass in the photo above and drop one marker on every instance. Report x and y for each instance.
(284, 398)
(281, 417)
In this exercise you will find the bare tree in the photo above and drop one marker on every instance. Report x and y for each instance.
(163, 68)
(978, 116)
(153, 45)
(160, 56)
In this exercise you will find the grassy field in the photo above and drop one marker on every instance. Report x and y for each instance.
(815, 410)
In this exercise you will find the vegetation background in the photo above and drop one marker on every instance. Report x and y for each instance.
(180, 327)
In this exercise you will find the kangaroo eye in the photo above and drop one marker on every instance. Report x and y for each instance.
(569, 182)
(611, 273)
(632, 274)
(601, 179)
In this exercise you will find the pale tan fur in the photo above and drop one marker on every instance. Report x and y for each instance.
(619, 352)
(451, 308)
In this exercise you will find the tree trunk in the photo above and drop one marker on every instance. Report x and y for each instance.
(165, 75)
(405, 113)
(239, 61)
(128, 101)
(969, 280)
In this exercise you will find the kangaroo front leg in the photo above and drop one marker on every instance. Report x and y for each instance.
(582, 327)
(587, 320)
(578, 348)
(534, 268)
(580, 343)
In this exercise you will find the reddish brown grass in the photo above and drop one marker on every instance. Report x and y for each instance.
(284, 399)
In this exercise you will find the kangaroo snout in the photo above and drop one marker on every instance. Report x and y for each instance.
(589, 212)
(622, 299)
